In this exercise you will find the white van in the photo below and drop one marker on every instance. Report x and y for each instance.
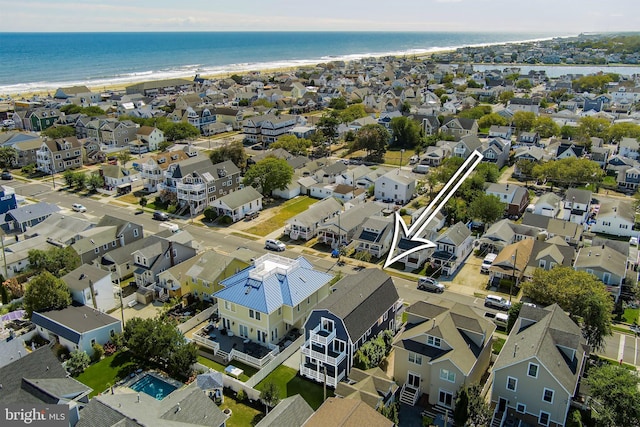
(501, 320)
(486, 263)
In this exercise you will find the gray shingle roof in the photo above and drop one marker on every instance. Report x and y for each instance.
(290, 412)
(72, 321)
(79, 278)
(241, 197)
(27, 213)
(360, 299)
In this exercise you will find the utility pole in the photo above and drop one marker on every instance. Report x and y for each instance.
(4, 255)
(514, 259)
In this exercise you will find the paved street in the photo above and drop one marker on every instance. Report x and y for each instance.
(464, 288)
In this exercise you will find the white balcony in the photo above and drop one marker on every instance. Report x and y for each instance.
(321, 336)
(331, 358)
(191, 187)
(319, 376)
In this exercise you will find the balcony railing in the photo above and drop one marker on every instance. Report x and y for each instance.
(307, 351)
(191, 187)
(321, 336)
(206, 342)
(319, 376)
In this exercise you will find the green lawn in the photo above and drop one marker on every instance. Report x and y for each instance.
(249, 371)
(108, 371)
(630, 315)
(290, 383)
(287, 210)
(242, 415)
(609, 180)
(498, 343)
(394, 157)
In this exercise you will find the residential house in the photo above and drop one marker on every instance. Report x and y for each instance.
(395, 186)
(567, 150)
(42, 118)
(606, 263)
(265, 301)
(600, 155)
(38, 378)
(466, 145)
(629, 147)
(617, 163)
(268, 128)
(27, 152)
(431, 125)
(628, 179)
(116, 176)
(372, 386)
(110, 233)
(549, 204)
(229, 116)
(506, 232)
(305, 225)
(76, 327)
(198, 183)
(511, 262)
(435, 155)
(504, 132)
(58, 155)
(157, 256)
(338, 412)
(496, 151)
(515, 198)
(446, 346)
(343, 228)
(615, 217)
(452, 249)
(153, 168)
(416, 258)
(577, 205)
(238, 204)
(528, 139)
(186, 406)
(547, 255)
(549, 228)
(374, 236)
(532, 154)
(91, 286)
(292, 411)
(524, 104)
(7, 200)
(27, 216)
(537, 382)
(116, 135)
(149, 139)
(358, 308)
(459, 127)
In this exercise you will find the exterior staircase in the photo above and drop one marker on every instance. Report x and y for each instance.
(409, 395)
(496, 421)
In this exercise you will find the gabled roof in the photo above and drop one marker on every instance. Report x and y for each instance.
(72, 321)
(602, 258)
(360, 299)
(513, 258)
(290, 412)
(79, 278)
(400, 177)
(336, 412)
(578, 196)
(540, 333)
(455, 235)
(38, 367)
(352, 218)
(271, 282)
(370, 386)
(456, 326)
(616, 208)
(317, 212)
(29, 212)
(239, 198)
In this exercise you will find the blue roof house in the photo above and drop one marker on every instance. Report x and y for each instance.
(7, 201)
(265, 301)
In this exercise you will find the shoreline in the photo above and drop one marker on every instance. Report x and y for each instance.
(240, 69)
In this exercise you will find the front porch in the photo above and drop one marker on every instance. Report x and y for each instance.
(296, 232)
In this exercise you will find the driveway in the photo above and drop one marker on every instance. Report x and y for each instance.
(469, 280)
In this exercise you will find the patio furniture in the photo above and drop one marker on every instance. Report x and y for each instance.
(229, 333)
(233, 371)
(246, 341)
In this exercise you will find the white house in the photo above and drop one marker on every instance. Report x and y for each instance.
(305, 224)
(396, 185)
(549, 204)
(91, 286)
(115, 175)
(615, 217)
(150, 137)
(76, 327)
(239, 204)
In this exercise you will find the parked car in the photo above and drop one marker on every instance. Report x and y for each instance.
(274, 245)
(6, 176)
(430, 284)
(498, 302)
(501, 320)
(160, 216)
(486, 263)
(78, 207)
(635, 329)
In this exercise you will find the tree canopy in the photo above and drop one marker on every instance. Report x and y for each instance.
(569, 172)
(8, 157)
(234, 152)
(328, 124)
(57, 132)
(577, 292)
(524, 120)
(615, 394)
(405, 132)
(493, 119)
(546, 127)
(269, 174)
(57, 261)
(293, 144)
(487, 208)
(373, 139)
(158, 340)
(45, 292)
(179, 131)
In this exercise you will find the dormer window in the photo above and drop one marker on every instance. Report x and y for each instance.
(433, 341)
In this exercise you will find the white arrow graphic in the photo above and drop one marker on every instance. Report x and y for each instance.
(430, 212)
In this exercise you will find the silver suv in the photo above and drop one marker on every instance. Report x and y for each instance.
(498, 302)
(274, 245)
(429, 284)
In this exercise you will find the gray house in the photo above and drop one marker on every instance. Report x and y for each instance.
(27, 216)
(537, 373)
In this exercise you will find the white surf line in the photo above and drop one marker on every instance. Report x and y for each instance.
(621, 347)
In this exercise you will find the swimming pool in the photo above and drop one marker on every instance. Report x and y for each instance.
(153, 386)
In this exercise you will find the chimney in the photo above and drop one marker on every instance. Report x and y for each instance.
(515, 350)
(93, 295)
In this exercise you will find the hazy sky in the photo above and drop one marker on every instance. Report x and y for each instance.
(547, 16)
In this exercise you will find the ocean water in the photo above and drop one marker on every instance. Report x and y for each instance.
(45, 61)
